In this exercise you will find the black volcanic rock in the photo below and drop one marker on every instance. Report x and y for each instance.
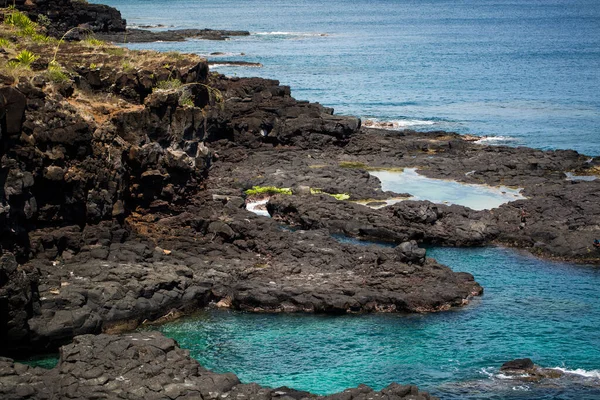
(149, 366)
(176, 35)
(19, 300)
(518, 364)
(67, 14)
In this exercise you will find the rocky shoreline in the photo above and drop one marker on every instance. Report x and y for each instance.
(132, 35)
(150, 366)
(123, 189)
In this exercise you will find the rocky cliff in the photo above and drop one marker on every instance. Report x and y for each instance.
(108, 211)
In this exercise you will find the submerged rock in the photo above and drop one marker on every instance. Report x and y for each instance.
(524, 369)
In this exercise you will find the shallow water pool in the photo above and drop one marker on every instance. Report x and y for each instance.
(531, 308)
(477, 197)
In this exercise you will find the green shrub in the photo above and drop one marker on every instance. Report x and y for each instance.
(43, 20)
(269, 190)
(4, 42)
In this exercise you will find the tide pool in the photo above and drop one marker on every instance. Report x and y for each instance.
(477, 197)
(531, 308)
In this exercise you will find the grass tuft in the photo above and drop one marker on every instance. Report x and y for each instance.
(269, 190)
(115, 51)
(26, 58)
(185, 100)
(337, 196)
(169, 84)
(90, 40)
(56, 74)
(363, 166)
(19, 20)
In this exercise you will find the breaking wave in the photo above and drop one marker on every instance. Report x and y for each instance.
(281, 33)
(495, 139)
(397, 123)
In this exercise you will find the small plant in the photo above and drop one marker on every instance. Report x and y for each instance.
(55, 73)
(4, 42)
(359, 165)
(26, 58)
(90, 40)
(169, 84)
(337, 196)
(93, 66)
(40, 38)
(19, 20)
(354, 164)
(186, 100)
(115, 51)
(127, 66)
(28, 31)
(267, 190)
(175, 55)
(43, 20)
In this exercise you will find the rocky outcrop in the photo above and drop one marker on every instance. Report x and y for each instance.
(149, 366)
(19, 301)
(107, 279)
(106, 195)
(524, 370)
(66, 14)
(552, 202)
(177, 35)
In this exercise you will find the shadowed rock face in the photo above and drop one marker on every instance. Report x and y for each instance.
(149, 366)
(67, 14)
(19, 300)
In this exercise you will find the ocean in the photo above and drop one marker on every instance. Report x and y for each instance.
(517, 72)
(520, 72)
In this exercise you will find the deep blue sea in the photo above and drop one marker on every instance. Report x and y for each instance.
(526, 72)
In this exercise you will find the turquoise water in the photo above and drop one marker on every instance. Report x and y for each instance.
(531, 308)
(525, 72)
(477, 197)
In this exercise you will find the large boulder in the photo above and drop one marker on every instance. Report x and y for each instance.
(18, 301)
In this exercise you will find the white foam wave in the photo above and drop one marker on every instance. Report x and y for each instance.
(281, 33)
(148, 26)
(258, 207)
(215, 65)
(495, 139)
(594, 373)
(222, 54)
(397, 123)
